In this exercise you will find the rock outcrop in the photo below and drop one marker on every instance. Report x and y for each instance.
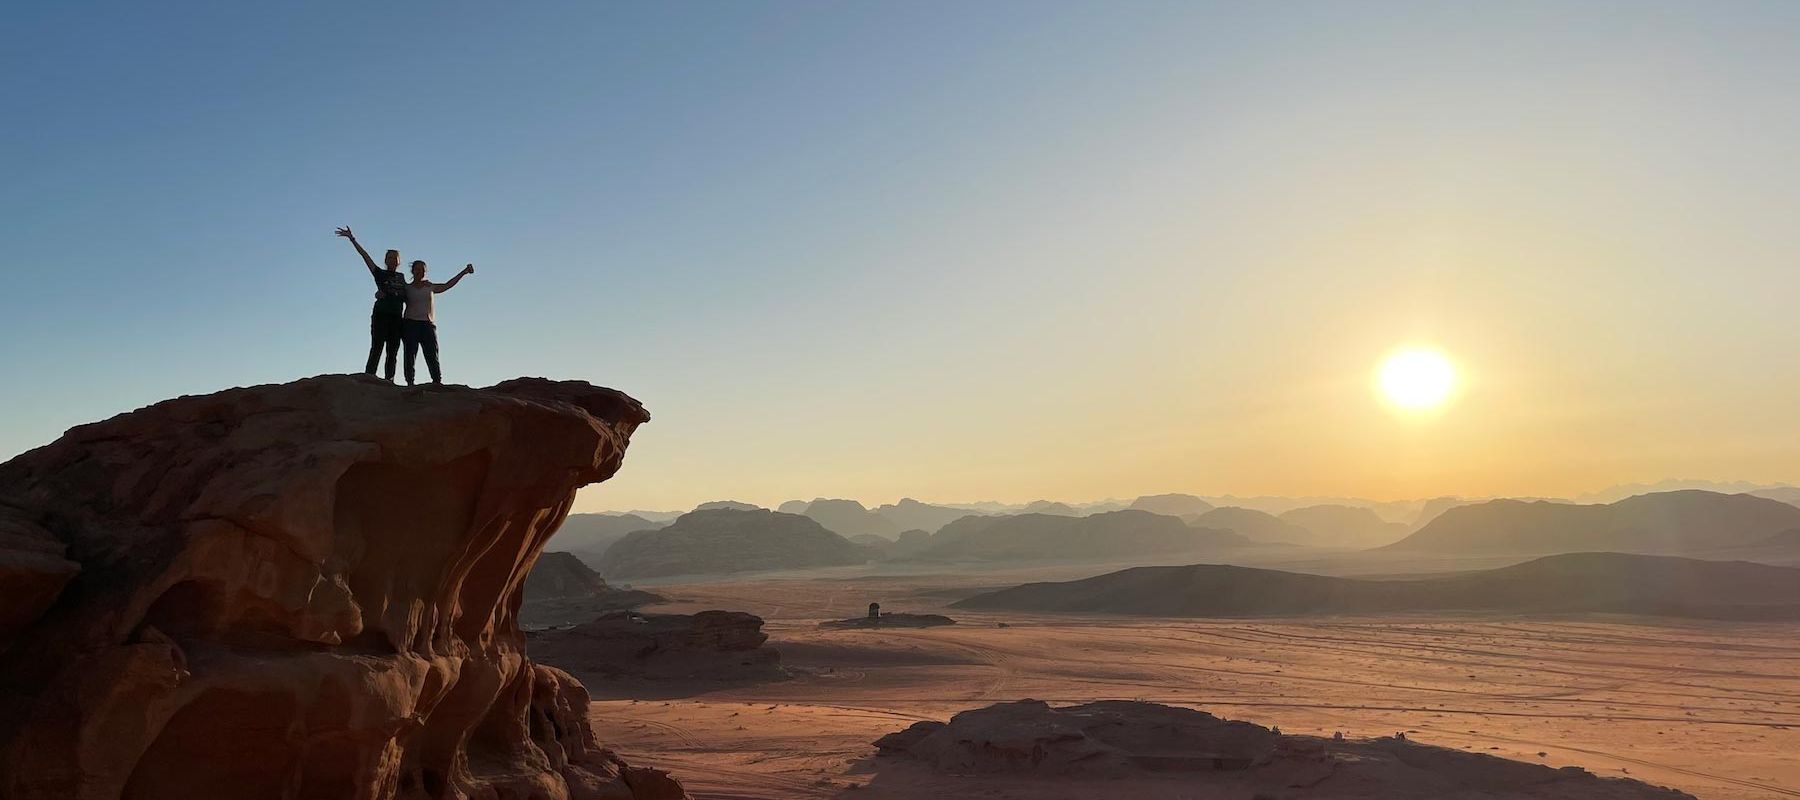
(896, 620)
(305, 590)
(723, 541)
(1118, 739)
(710, 645)
(561, 590)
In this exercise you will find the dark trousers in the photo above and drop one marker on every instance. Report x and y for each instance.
(421, 335)
(384, 336)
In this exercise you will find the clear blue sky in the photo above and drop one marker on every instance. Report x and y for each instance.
(1002, 249)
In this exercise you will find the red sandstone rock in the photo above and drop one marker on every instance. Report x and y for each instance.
(307, 590)
(1109, 740)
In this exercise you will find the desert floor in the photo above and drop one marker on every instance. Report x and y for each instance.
(1709, 708)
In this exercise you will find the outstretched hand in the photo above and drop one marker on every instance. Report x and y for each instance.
(469, 268)
(345, 232)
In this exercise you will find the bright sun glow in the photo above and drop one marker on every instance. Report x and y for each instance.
(1417, 378)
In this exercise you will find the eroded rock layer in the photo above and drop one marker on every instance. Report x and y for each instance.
(306, 590)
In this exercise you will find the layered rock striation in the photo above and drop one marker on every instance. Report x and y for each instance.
(304, 590)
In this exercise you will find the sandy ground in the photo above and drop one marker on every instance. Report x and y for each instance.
(1709, 708)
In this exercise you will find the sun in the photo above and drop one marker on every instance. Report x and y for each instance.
(1417, 378)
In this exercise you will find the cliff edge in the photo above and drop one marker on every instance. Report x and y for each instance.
(301, 590)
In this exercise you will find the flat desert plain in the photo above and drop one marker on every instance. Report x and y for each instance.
(1709, 708)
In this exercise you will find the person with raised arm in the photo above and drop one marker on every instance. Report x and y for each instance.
(385, 322)
(420, 328)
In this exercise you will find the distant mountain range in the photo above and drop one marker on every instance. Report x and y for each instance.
(1687, 522)
(728, 540)
(1569, 583)
(1174, 505)
(591, 534)
(1115, 534)
(1336, 524)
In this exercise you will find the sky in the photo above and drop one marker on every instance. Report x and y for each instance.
(954, 251)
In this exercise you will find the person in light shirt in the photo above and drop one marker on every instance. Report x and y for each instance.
(419, 326)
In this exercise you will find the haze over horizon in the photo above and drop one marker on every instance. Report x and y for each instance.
(1019, 250)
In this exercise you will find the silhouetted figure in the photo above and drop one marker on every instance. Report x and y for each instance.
(390, 302)
(874, 611)
(420, 327)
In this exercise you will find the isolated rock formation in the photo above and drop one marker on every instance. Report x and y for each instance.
(1113, 739)
(713, 645)
(305, 590)
(723, 541)
(561, 590)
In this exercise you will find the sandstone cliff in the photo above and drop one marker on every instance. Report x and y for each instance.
(307, 590)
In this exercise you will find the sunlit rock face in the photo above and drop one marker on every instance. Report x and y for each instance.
(306, 590)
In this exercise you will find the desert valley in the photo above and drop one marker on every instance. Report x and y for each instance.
(900, 400)
(1634, 639)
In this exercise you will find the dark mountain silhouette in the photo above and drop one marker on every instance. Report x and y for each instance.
(1174, 505)
(1112, 534)
(849, 518)
(561, 590)
(1674, 523)
(726, 540)
(592, 533)
(1334, 525)
(1252, 524)
(909, 514)
(1575, 582)
(732, 505)
(1050, 507)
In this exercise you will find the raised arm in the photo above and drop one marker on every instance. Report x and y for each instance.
(451, 284)
(345, 232)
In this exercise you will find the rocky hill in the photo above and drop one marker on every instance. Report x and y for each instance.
(1252, 524)
(1172, 505)
(561, 590)
(1617, 583)
(1115, 534)
(724, 541)
(1336, 525)
(299, 591)
(849, 518)
(910, 514)
(1690, 522)
(585, 534)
